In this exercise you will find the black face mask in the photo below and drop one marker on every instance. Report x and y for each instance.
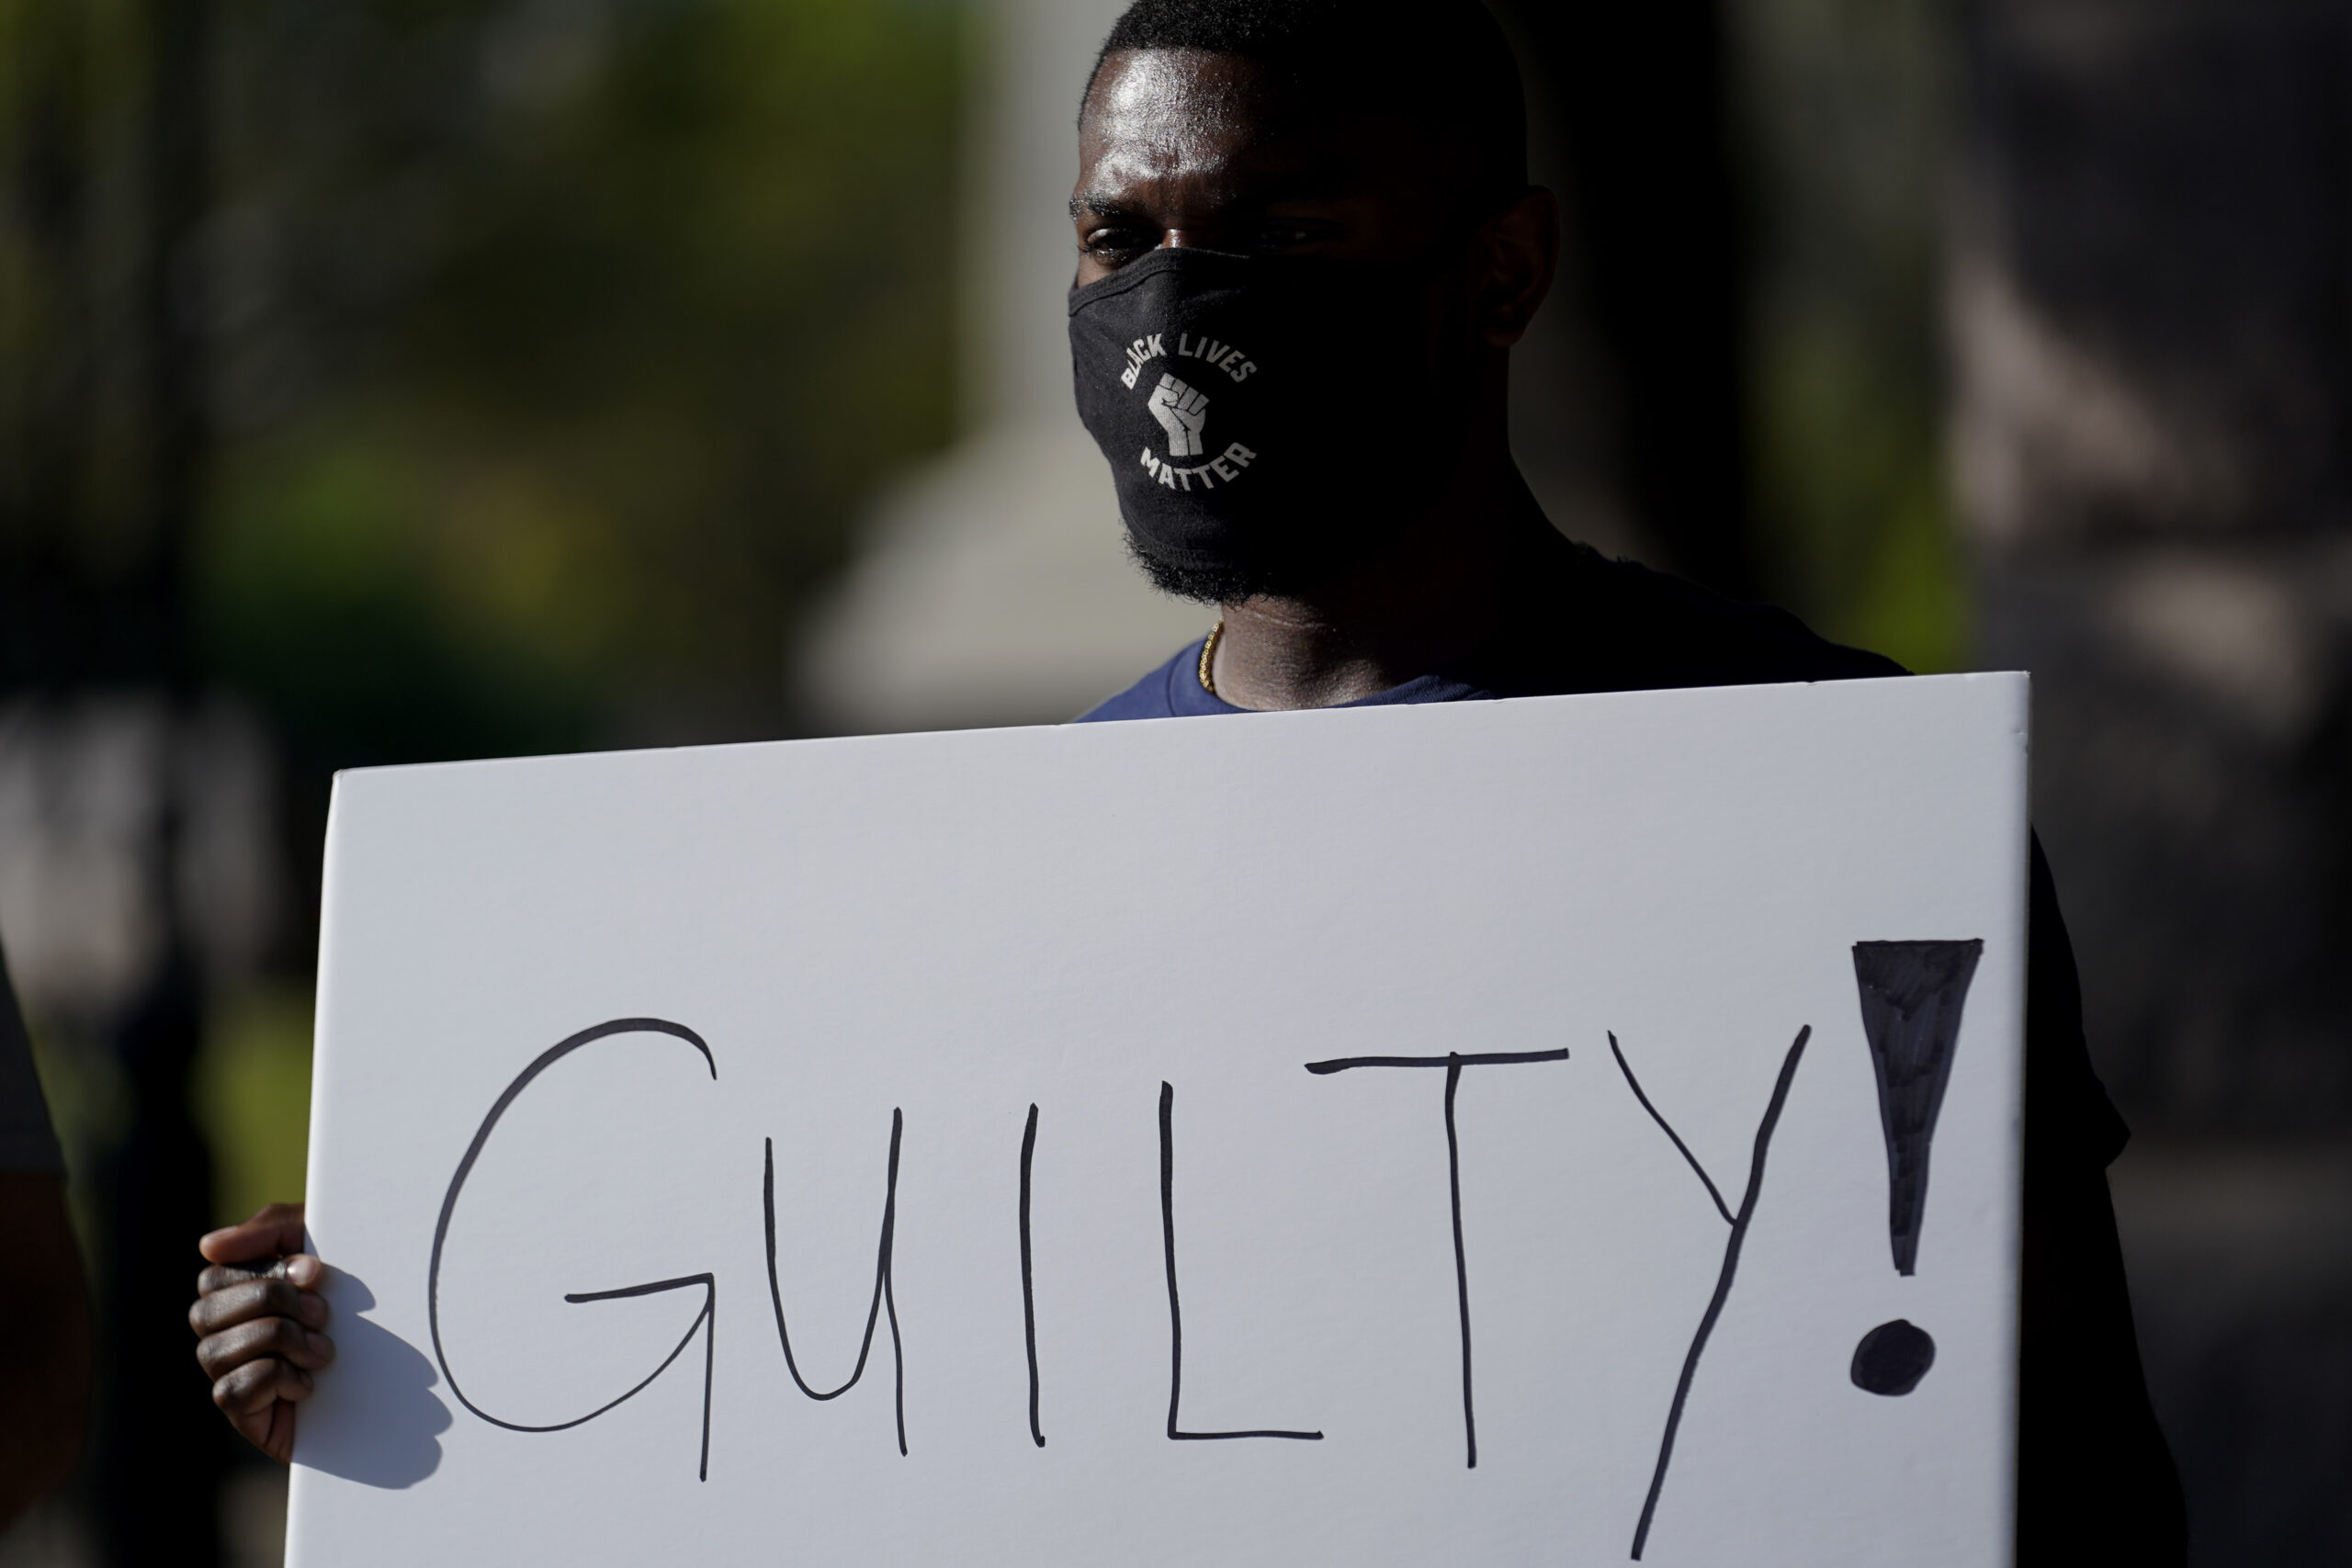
(1269, 421)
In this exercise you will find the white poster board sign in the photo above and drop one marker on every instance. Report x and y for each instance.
(1495, 1132)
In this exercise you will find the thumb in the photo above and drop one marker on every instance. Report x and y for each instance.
(273, 1232)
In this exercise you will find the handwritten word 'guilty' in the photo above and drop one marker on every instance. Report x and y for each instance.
(883, 1307)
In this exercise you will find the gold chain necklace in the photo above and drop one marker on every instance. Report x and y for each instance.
(1208, 651)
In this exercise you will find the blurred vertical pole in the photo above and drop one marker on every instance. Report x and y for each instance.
(162, 1447)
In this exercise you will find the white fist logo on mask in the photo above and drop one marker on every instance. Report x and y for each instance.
(1182, 411)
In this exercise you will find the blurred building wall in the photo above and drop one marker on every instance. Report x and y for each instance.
(2149, 286)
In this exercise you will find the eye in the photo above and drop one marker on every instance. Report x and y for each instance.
(1116, 242)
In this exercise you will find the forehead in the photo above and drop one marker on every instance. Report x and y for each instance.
(1159, 116)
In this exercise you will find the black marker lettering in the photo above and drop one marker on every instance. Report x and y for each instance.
(706, 1320)
(1452, 1064)
(885, 1295)
(1028, 1284)
(1175, 1308)
(1739, 1223)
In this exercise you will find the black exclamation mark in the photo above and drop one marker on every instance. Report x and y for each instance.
(1912, 995)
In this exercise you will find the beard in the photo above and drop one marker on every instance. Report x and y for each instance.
(1287, 553)
(1216, 583)
(1292, 574)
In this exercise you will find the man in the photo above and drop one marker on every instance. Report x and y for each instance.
(44, 1399)
(1306, 244)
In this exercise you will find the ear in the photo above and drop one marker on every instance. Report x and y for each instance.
(1516, 251)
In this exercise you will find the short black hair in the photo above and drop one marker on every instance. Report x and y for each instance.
(1443, 64)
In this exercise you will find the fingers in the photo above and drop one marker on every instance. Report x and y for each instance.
(233, 1303)
(282, 1337)
(275, 1230)
(303, 1270)
(257, 1317)
(251, 1389)
(259, 1398)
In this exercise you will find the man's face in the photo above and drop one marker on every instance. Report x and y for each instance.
(1179, 148)
(1385, 299)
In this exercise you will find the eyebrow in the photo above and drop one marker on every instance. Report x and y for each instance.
(1102, 204)
(1322, 185)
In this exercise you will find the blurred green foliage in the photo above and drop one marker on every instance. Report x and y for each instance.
(548, 346)
(252, 1099)
(566, 337)
(251, 1094)
(1847, 113)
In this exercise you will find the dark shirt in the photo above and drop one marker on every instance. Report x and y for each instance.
(2095, 1483)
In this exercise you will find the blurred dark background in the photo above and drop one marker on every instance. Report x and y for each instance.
(386, 380)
